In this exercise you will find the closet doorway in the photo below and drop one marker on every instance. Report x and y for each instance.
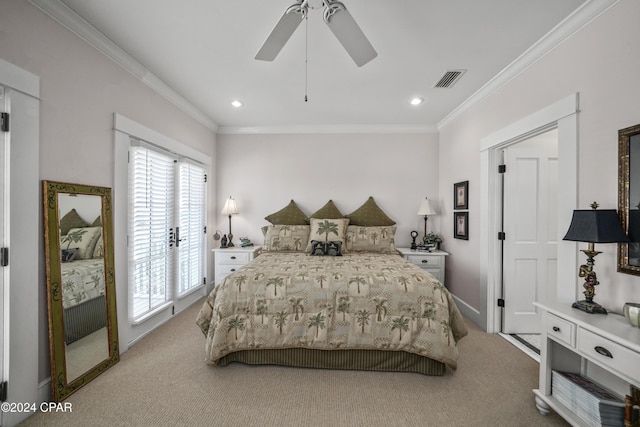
(529, 219)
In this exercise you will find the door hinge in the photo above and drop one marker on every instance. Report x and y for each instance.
(4, 257)
(502, 235)
(4, 122)
(205, 229)
(204, 280)
(502, 168)
(500, 302)
(205, 177)
(3, 391)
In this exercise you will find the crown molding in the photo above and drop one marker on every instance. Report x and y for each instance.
(303, 129)
(573, 23)
(87, 32)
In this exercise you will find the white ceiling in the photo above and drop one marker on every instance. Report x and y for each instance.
(204, 51)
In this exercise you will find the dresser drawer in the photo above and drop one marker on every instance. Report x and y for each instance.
(561, 330)
(426, 261)
(238, 258)
(608, 353)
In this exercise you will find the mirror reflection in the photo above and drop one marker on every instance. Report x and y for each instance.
(81, 291)
(629, 198)
(82, 274)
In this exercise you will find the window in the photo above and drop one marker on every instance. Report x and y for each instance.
(166, 227)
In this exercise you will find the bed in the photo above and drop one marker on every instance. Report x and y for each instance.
(303, 305)
(83, 286)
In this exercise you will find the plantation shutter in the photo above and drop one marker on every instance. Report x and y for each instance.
(151, 222)
(191, 212)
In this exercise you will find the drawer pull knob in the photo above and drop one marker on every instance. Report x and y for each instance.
(233, 257)
(556, 329)
(424, 261)
(603, 351)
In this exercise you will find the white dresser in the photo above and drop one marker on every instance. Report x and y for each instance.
(433, 262)
(228, 260)
(604, 348)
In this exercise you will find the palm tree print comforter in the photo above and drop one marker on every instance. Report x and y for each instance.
(357, 301)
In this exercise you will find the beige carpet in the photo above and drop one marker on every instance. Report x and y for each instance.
(163, 380)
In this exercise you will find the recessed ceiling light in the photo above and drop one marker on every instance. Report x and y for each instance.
(236, 103)
(416, 101)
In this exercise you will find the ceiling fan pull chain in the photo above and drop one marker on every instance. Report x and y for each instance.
(306, 58)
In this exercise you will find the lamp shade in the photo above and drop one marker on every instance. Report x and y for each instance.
(230, 207)
(426, 208)
(596, 226)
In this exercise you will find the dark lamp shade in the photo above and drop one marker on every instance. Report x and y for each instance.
(596, 226)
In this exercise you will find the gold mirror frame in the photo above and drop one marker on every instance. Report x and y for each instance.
(61, 385)
(629, 198)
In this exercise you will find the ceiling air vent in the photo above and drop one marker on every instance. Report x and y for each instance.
(449, 78)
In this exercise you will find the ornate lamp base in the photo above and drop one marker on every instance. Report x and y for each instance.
(589, 307)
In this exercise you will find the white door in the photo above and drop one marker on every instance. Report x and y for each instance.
(530, 224)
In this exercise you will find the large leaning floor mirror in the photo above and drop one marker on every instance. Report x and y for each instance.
(83, 328)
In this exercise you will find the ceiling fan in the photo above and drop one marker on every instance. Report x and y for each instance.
(336, 16)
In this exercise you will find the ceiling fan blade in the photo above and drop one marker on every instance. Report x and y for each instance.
(280, 35)
(349, 34)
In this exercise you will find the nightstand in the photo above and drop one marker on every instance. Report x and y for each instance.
(433, 262)
(228, 260)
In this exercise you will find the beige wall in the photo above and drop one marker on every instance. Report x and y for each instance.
(264, 172)
(599, 63)
(80, 91)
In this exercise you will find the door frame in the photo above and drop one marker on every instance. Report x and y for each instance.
(23, 332)
(563, 115)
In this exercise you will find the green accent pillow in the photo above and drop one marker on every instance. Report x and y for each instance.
(369, 215)
(71, 220)
(329, 211)
(289, 215)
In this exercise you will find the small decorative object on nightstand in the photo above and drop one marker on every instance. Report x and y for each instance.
(227, 261)
(433, 262)
(593, 226)
(414, 234)
(230, 208)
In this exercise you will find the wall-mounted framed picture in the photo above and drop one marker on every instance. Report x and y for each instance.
(461, 195)
(461, 225)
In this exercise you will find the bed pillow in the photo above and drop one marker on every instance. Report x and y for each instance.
(371, 239)
(328, 230)
(289, 215)
(71, 220)
(326, 248)
(98, 251)
(285, 238)
(82, 239)
(369, 214)
(329, 211)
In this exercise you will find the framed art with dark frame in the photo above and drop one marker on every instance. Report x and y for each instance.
(461, 225)
(461, 195)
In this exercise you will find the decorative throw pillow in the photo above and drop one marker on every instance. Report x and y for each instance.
(82, 239)
(285, 238)
(326, 248)
(327, 230)
(71, 220)
(289, 215)
(371, 239)
(67, 255)
(369, 214)
(329, 211)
